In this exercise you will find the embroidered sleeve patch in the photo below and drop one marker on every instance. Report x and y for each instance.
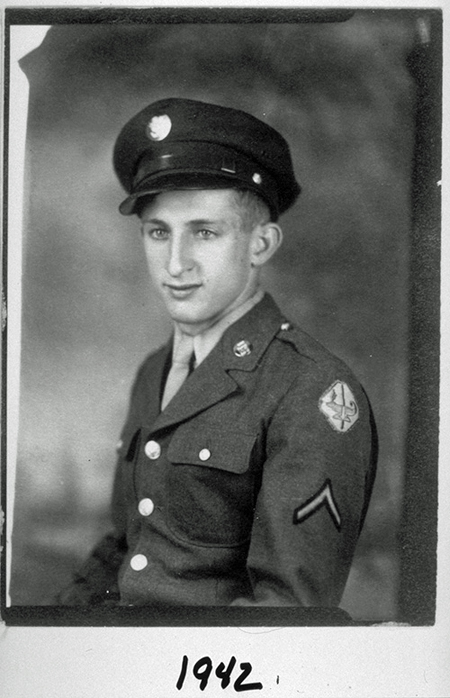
(339, 406)
(323, 498)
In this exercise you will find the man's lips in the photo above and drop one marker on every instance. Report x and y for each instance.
(181, 290)
(182, 287)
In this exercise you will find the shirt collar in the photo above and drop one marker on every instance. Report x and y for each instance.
(205, 342)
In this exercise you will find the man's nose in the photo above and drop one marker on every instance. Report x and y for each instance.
(180, 257)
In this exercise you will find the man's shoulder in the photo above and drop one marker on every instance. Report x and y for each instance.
(304, 346)
(312, 366)
(318, 377)
(269, 332)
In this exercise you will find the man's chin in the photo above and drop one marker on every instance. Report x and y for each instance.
(186, 316)
(192, 321)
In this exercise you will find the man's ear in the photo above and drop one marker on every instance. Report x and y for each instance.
(266, 239)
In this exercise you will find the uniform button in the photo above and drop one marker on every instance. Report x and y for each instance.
(138, 562)
(146, 507)
(152, 450)
(204, 454)
(286, 326)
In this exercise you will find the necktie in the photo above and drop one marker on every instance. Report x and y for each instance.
(181, 363)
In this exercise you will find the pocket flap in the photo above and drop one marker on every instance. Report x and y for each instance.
(222, 449)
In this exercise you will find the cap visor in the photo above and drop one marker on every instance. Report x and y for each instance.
(181, 181)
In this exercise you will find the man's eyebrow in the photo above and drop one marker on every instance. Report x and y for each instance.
(205, 221)
(193, 222)
(153, 221)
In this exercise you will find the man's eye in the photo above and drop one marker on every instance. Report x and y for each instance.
(158, 234)
(205, 234)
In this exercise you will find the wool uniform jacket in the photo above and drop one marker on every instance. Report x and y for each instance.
(250, 488)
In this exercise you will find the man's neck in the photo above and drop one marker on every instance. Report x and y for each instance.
(205, 341)
(194, 329)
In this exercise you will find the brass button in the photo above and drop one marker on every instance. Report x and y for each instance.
(152, 450)
(138, 562)
(204, 454)
(146, 507)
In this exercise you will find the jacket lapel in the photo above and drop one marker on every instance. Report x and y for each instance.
(155, 373)
(211, 382)
(208, 384)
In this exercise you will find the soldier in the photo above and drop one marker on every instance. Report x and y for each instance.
(246, 462)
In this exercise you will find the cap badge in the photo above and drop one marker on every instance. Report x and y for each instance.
(339, 406)
(159, 127)
(242, 348)
(257, 178)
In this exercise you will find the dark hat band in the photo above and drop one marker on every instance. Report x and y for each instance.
(198, 161)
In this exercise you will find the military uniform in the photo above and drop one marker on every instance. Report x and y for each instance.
(251, 486)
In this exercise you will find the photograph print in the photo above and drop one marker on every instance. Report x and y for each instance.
(227, 385)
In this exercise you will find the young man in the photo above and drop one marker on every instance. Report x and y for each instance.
(246, 462)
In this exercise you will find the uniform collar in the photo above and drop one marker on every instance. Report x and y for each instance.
(205, 342)
(251, 327)
(253, 332)
(212, 381)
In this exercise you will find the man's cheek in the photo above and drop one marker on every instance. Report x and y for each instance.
(155, 270)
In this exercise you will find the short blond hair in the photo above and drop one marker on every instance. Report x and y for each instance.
(252, 209)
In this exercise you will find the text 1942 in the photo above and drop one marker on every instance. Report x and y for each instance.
(203, 669)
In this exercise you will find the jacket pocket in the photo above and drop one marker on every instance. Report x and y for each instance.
(210, 486)
(225, 450)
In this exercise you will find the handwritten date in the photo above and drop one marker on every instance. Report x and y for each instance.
(203, 669)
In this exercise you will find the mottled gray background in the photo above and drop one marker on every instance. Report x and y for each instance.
(344, 99)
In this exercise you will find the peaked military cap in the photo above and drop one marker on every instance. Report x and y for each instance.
(184, 144)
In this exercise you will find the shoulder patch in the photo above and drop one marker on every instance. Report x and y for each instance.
(339, 406)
